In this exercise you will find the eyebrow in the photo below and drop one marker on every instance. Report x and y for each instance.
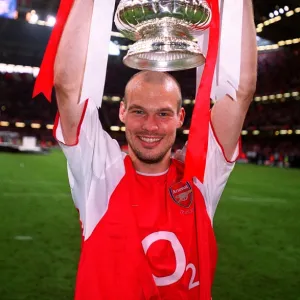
(135, 106)
(166, 109)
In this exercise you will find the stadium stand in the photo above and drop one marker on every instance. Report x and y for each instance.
(277, 121)
(272, 126)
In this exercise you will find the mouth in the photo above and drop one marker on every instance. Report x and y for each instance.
(149, 142)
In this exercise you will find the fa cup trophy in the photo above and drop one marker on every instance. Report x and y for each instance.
(164, 31)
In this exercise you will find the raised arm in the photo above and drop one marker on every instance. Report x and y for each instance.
(228, 115)
(69, 68)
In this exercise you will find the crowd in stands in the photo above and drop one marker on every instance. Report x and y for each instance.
(283, 152)
(282, 114)
(16, 103)
(279, 72)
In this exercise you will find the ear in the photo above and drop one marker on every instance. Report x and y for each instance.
(181, 116)
(122, 111)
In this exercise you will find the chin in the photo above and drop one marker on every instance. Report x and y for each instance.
(149, 154)
(151, 158)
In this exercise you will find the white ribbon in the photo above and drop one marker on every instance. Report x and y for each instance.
(227, 73)
(97, 55)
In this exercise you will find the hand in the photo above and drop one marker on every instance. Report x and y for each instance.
(180, 154)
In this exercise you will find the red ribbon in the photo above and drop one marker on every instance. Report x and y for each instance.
(195, 160)
(45, 79)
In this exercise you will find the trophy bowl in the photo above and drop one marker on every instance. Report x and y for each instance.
(164, 31)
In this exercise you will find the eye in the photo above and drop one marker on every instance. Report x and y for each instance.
(138, 112)
(163, 114)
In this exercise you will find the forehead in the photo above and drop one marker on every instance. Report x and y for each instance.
(153, 95)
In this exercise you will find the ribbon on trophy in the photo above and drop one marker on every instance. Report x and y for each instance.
(221, 45)
(97, 56)
(227, 73)
(220, 76)
(195, 160)
(45, 79)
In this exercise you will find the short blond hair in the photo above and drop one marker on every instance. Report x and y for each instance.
(152, 77)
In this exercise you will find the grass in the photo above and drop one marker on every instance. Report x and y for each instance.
(257, 226)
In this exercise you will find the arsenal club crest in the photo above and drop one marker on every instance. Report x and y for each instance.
(182, 194)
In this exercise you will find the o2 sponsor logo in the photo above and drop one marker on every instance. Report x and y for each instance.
(180, 258)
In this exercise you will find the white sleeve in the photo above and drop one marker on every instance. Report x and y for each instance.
(93, 153)
(217, 171)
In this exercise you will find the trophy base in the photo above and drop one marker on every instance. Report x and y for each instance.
(164, 54)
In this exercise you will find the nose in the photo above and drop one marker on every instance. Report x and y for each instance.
(150, 124)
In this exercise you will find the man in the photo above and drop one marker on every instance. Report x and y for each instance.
(141, 237)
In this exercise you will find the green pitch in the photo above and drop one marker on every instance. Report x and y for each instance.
(257, 226)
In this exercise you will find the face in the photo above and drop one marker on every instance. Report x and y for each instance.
(151, 116)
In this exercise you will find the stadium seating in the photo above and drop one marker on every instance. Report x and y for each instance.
(272, 126)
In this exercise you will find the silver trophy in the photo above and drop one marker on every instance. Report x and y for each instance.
(164, 31)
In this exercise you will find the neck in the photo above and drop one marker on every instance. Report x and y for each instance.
(146, 168)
